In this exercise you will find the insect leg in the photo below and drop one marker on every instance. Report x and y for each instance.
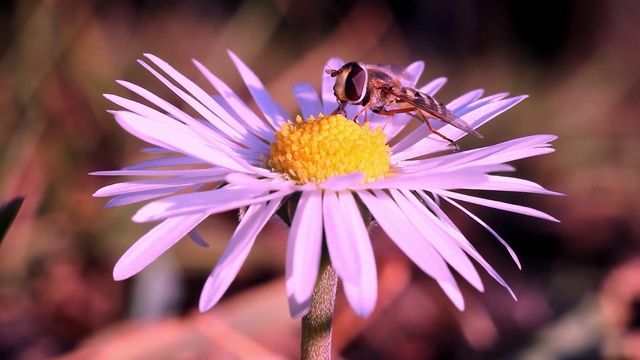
(362, 110)
(340, 109)
(421, 116)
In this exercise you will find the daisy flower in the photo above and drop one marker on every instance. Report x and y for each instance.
(328, 177)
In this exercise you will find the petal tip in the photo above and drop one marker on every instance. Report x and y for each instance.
(120, 274)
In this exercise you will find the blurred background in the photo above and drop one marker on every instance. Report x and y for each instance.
(579, 287)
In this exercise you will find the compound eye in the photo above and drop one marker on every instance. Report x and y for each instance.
(355, 84)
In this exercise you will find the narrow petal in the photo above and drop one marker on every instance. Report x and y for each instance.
(251, 182)
(448, 161)
(184, 174)
(520, 154)
(133, 187)
(496, 204)
(308, 100)
(522, 148)
(259, 139)
(447, 225)
(458, 179)
(145, 110)
(154, 150)
(392, 126)
(201, 102)
(506, 183)
(196, 238)
(481, 102)
(245, 116)
(209, 202)
(180, 139)
(217, 120)
(421, 142)
(272, 111)
(342, 182)
(127, 199)
(129, 187)
(361, 296)
(484, 225)
(411, 241)
(250, 147)
(328, 98)
(235, 253)
(153, 244)
(464, 100)
(483, 114)
(304, 248)
(433, 86)
(342, 249)
(440, 239)
(498, 153)
(415, 69)
(165, 162)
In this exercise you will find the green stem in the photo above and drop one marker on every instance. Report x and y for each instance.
(316, 325)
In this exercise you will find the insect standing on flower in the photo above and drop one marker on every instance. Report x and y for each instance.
(376, 87)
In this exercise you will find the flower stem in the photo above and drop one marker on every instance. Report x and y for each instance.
(316, 325)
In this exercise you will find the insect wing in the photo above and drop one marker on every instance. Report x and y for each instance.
(397, 72)
(433, 108)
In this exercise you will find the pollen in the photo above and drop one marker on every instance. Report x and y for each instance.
(320, 148)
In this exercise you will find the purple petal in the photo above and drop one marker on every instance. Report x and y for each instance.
(362, 295)
(153, 184)
(521, 148)
(483, 224)
(153, 244)
(422, 142)
(499, 153)
(304, 248)
(440, 239)
(496, 204)
(196, 238)
(433, 86)
(245, 116)
(177, 137)
(145, 110)
(202, 103)
(342, 182)
(127, 199)
(235, 253)
(415, 69)
(505, 183)
(252, 182)
(222, 131)
(308, 100)
(483, 114)
(164, 162)
(328, 98)
(411, 241)
(481, 102)
(185, 175)
(272, 111)
(134, 187)
(447, 225)
(464, 100)
(209, 202)
(342, 249)
(457, 179)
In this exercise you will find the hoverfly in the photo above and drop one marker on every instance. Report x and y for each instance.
(377, 86)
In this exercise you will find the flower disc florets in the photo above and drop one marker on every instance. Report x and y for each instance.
(320, 148)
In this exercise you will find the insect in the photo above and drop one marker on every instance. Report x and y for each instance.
(377, 87)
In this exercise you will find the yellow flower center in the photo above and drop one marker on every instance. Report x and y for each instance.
(317, 149)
